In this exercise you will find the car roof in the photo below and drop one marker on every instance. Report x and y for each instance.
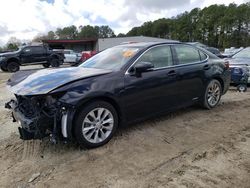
(147, 44)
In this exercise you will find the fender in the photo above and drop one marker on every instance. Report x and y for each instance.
(15, 59)
(57, 56)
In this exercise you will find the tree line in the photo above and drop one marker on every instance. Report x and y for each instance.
(217, 25)
(72, 32)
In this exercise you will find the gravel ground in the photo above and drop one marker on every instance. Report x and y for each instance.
(189, 148)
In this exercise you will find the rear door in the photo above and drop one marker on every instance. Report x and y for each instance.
(39, 53)
(191, 66)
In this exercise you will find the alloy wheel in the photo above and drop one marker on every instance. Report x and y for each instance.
(213, 94)
(97, 125)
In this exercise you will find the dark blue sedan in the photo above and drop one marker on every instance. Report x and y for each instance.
(120, 85)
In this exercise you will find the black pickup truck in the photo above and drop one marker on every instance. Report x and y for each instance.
(30, 55)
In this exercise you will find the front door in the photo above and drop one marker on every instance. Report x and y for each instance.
(26, 55)
(153, 91)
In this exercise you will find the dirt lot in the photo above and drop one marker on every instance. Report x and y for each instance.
(189, 148)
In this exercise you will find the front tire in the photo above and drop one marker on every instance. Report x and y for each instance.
(13, 67)
(212, 94)
(4, 69)
(96, 124)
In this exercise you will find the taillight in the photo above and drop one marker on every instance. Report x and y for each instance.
(226, 64)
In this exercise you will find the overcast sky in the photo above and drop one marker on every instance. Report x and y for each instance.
(25, 19)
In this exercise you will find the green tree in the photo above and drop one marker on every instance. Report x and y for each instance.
(51, 35)
(134, 32)
(217, 25)
(105, 32)
(13, 43)
(88, 31)
(66, 32)
(161, 28)
(121, 35)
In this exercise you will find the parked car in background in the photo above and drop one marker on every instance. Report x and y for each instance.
(30, 55)
(213, 50)
(242, 59)
(71, 57)
(86, 55)
(229, 52)
(117, 86)
(239, 77)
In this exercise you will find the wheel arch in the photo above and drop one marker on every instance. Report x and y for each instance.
(13, 59)
(221, 82)
(107, 99)
(54, 56)
(84, 102)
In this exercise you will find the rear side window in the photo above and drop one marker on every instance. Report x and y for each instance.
(203, 56)
(187, 54)
(38, 50)
(159, 56)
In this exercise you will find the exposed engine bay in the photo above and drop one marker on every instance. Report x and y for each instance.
(38, 116)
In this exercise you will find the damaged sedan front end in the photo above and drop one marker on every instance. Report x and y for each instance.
(38, 116)
(39, 108)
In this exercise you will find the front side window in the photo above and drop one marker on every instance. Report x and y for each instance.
(159, 56)
(27, 50)
(187, 54)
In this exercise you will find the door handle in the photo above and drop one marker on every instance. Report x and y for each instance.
(206, 67)
(172, 73)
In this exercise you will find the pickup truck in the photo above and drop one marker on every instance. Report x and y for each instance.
(30, 55)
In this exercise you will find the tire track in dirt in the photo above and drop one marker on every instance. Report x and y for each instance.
(173, 150)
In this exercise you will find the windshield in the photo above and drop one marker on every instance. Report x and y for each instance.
(112, 58)
(243, 54)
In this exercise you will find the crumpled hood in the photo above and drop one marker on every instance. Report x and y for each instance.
(46, 80)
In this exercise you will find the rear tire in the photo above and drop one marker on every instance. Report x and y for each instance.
(212, 94)
(13, 67)
(95, 124)
(55, 63)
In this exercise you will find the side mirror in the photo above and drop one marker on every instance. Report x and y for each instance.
(143, 67)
